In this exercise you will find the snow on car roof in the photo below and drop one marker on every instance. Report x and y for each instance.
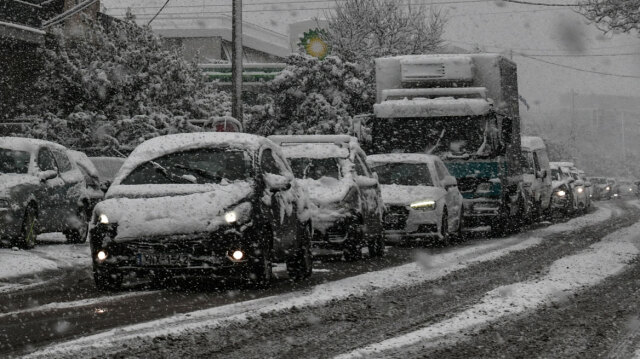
(402, 158)
(81, 159)
(314, 150)
(532, 143)
(164, 145)
(26, 144)
(435, 107)
(562, 164)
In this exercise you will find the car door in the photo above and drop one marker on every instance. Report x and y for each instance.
(74, 183)
(452, 197)
(52, 195)
(369, 192)
(278, 206)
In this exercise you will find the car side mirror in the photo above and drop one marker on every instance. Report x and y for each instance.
(47, 175)
(276, 183)
(449, 182)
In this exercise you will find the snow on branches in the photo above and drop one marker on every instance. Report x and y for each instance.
(613, 15)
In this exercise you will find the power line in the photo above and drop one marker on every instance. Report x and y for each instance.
(540, 3)
(577, 68)
(508, 12)
(586, 55)
(158, 13)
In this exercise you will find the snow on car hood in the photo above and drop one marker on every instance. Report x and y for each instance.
(326, 190)
(405, 195)
(10, 180)
(156, 215)
(556, 184)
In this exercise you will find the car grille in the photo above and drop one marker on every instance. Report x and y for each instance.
(396, 218)
(194, 245)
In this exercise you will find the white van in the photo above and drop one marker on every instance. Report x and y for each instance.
(537, 174)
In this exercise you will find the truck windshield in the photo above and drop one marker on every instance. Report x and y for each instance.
(448, 137)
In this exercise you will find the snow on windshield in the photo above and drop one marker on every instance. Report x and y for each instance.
(405, 174)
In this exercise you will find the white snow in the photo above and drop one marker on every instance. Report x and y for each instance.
(314, 150)
(437, 107)
(424, 269)
(565, 276)
(402, 158)
(532, 143)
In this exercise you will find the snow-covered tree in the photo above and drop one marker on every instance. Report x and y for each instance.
(613, 15)
(312, 96)
(361, 30)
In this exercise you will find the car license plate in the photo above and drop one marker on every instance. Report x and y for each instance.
(162, 259)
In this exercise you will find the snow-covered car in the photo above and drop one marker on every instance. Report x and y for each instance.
(107, 169)
(346, 192)
(94, 193)
(537, 174)
(421, 198)
(627, 188)
(201, 204)
(569, 192)
(601, 189)
(41, 190)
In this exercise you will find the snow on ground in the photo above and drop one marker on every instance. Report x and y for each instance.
(53, 255)
(565, 276)
(426, 268)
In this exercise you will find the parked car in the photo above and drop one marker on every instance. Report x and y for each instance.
(41, 190)
(107, 168)
(421, 198)
(581, 189)
(201, 204)
(537, 174)
(601, 189)
(91, 178)
(345, 190)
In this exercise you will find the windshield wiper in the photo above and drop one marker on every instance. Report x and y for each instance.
(201, 172)
(173, 178)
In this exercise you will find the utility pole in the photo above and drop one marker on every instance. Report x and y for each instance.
(236, 64)
(572, 135)
(624, 147)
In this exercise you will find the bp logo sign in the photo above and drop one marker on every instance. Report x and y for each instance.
(314, 43)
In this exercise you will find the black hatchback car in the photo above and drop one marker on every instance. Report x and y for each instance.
(202, 204)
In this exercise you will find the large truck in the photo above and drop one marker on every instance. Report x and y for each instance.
(463, 108)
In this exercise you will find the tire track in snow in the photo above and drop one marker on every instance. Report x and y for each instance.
(361, 285)
(587, 268)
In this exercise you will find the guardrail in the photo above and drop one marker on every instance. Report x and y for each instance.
(252, 73)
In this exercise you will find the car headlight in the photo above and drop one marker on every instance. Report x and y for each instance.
(607, 188)
(561, 193)
(103, 219)
(241, 213)
(425, 205)
(580, 189)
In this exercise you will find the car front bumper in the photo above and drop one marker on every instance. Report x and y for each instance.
(403, 222)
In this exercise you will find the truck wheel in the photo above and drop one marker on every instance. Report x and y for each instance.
(29, 230)
(107, 279)
(300, 265)
(79, 235)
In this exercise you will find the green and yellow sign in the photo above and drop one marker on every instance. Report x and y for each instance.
(314, 42)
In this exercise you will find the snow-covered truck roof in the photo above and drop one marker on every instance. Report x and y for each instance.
(27, 144)
(402, 158)
(314, 146)
(532, 143)
(164, 145)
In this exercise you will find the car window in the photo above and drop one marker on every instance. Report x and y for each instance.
(64, 164)
(269, 164)
(404, 174)
(46, 162)
(316, 168)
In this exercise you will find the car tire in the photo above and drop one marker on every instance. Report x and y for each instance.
(353, 244)
(107, 279)
(79, 235)
(300, 265)
(29, 229)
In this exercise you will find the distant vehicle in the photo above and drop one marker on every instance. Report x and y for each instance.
(421, 197)
(91, 178)
(107, 169)
(613, 186)
(41, 190)
(562, 200)
(627, 189)
(201, 204)
(343, 187)
(463, 108)
(582, 189)
(601, 189)
(537, 174)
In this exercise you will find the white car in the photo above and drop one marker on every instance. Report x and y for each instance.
(422, 199)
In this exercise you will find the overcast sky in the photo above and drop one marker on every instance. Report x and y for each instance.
(490, 25)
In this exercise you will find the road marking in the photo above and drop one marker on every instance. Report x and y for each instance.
(426, 268)
(589, 267)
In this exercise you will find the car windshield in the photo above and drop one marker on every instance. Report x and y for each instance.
(405, 174)
(316, 168)
(556, 174)
(210, 165)
(12, 161)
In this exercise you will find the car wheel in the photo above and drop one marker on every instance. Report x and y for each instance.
(260, 270)
(353, 244)
(79, 235)
(459, 232)
(29, 230)
(300, 265)
(444, 229)
(107, 280)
